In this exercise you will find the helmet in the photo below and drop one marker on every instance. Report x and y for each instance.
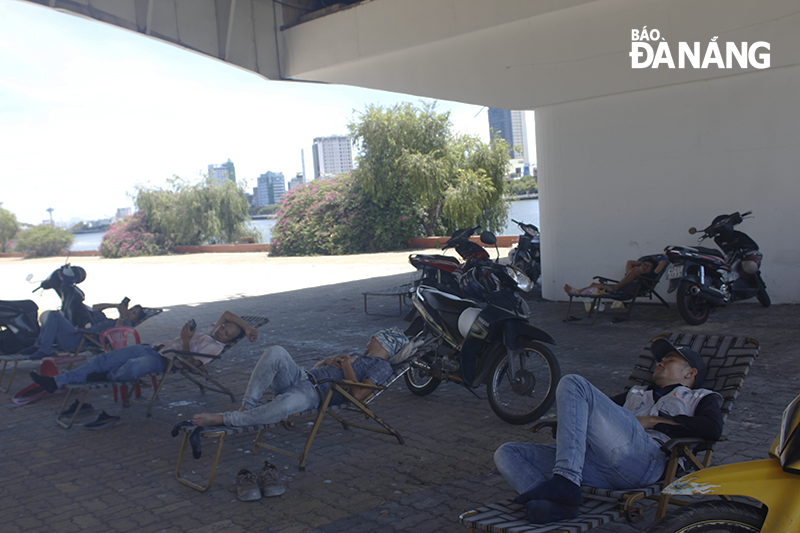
(475, 284)
(466, 319)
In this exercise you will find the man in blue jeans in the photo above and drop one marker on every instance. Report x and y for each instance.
(60, 333)
(127, 364)
(611, 443)
(295, 390)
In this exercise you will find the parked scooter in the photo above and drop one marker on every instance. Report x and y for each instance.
(63, 280)
(444, 271)
(526, 255)
(484, 336)
(706, 278)
(774, 482)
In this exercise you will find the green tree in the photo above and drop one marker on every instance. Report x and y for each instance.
(524, 185)
(44, 241)
(8, 227)
(200, 213)
(408, 155)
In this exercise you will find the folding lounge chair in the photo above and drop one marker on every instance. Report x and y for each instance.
(643, 287)
(90, 342)
(194, 373)
(727, 359)
(361, 407)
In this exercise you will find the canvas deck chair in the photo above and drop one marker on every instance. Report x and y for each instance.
(89, 345)
(200, 375)
(360, 408)
(728, 360)
(643, 287)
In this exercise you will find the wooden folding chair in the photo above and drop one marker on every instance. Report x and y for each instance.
(194, 373)
(354, 406)
(727, 359)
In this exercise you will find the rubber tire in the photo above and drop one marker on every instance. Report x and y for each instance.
(498, 367)
(762, 296)
(421, 386)
(716, 516)
(687, 301)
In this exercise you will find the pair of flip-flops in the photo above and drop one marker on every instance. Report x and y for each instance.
(194, 436)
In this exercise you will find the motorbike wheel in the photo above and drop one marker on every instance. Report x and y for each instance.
(523, 398)
(420, 384)
(762, 296)
(712, 516)
(693, 309)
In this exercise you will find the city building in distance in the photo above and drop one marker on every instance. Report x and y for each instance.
(222, 172)
(332, 155)
(271, 188)
(510, 125)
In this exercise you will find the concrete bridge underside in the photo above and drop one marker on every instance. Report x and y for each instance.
(628, 158)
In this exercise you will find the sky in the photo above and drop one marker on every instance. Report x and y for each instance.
(89, 111)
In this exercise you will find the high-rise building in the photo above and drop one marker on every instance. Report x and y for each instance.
(332, 155)
(510, 125)
(271, 188)
(222, 172)
(296, 181)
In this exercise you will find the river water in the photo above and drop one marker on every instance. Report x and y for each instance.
(523, 210)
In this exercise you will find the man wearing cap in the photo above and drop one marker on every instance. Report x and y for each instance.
(611, 443)
(295, 390)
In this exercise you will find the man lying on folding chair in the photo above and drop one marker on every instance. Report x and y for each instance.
(296, 390)
(60, 333)
(127, 364)
(633, 270)
(612, 443)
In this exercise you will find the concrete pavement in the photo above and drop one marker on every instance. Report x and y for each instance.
(121, 479)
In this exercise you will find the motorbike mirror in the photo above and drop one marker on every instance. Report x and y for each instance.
(29, 278)
(487, 237)
(692, 230)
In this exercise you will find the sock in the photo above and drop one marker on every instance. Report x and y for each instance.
(46, 382)
(557, 489)
(544, 511)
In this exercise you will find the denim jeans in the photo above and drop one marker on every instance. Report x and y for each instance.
(598, 444)
(56, 329)
(125, 364)
(291, 388)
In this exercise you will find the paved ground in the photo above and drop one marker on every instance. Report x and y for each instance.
(122, 478)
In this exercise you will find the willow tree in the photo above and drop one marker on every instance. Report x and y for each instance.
(196, 213)
(408, 157)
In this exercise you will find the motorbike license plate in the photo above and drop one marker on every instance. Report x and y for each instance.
(674, 271)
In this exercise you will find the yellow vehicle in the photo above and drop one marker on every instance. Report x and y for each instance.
(775, 482)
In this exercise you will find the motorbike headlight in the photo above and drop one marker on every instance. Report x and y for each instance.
(523, 282)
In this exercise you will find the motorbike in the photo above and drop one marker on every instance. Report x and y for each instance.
(774, 482)
(706, 278)
(483, 336)
(19, 325)
(63, 280)
(443, 271)
(526, 255)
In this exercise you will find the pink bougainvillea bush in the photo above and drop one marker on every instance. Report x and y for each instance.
(131, 238)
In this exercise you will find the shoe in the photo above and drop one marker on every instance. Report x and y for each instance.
(94, 377)
(103, 421)
(85, 409)
(46, 382)
(247, 486)
(269, 481)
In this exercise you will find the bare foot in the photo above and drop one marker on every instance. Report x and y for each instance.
(208, 419)
(569, 289)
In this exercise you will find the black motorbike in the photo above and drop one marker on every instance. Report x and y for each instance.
(444, 271)
(526, 257)
(484, 336)
(63, 280)
(706, 278)
(19, 325)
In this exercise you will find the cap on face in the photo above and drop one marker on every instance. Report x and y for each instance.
(662, 347)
